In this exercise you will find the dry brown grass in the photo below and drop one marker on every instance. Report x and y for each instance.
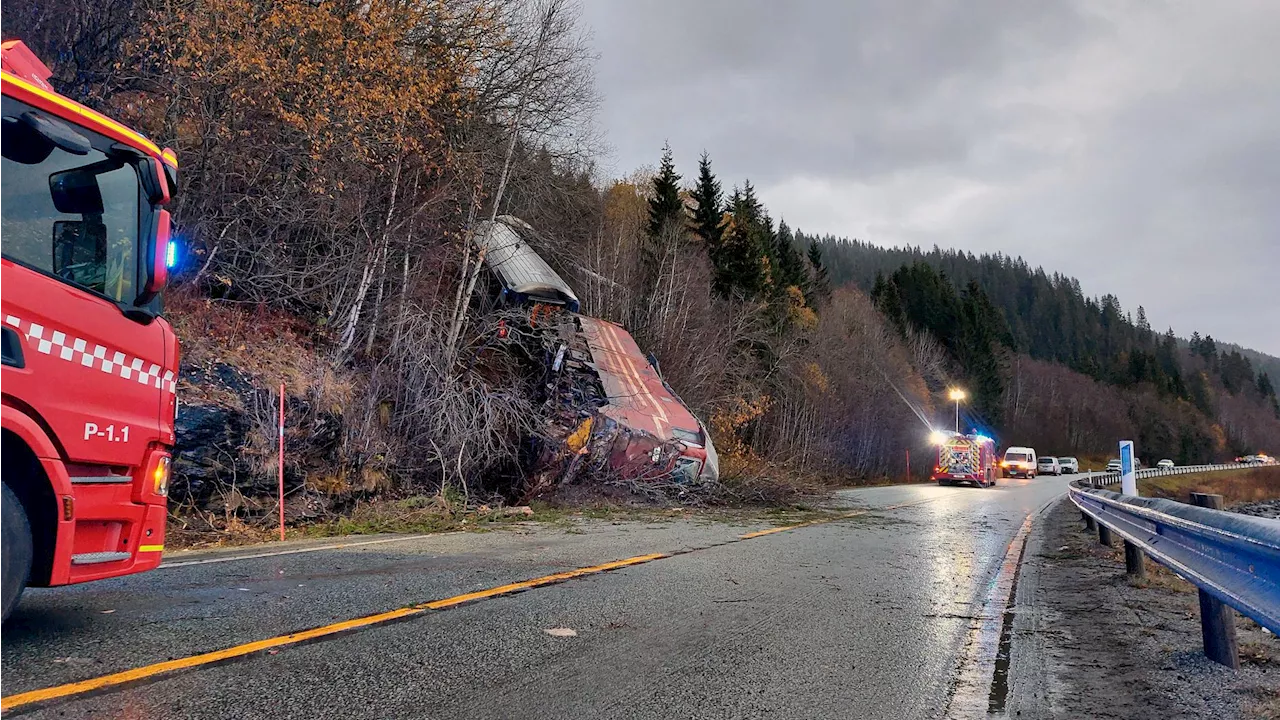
(756, 480)
(1264, 705)
(1235, 486)
(1260, 653)
(270, 345)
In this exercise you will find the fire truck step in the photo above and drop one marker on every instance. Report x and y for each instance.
(94, 558)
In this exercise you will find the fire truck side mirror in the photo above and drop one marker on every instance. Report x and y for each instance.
(157, 261)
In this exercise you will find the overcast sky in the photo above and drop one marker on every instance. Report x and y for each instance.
(1135, 145)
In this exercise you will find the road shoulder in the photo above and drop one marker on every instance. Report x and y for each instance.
(1088, 642)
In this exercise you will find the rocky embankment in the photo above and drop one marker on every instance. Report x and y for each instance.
(1263, 508)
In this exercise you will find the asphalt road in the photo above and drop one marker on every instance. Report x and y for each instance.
(890, 612)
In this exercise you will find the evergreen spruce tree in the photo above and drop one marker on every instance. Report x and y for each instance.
(665, 207)
(743, 266)
(1170, 368)
(708, 215)
(885, 296)
(667, 222)
(1209, 350)
(977, 348)
(1265, 388)
(791, 270)
(1144, 327)
(819, 280)
(1199, 392)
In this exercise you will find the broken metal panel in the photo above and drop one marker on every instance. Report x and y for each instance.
(637, 396)
(656, 425)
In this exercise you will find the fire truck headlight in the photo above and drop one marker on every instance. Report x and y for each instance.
(161, 477)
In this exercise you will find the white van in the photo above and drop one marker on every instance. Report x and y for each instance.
(1019, 462)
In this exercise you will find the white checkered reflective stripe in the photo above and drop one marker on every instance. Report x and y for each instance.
(57, 343)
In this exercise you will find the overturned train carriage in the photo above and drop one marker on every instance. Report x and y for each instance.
(610, 406)
(522, 276)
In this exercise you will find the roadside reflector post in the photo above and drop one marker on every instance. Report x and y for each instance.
(1133, 564)
(280, 474)
(1133, 560)
(1217, 621)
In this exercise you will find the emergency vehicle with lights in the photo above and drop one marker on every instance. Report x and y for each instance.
(90, 366)
(965, 458)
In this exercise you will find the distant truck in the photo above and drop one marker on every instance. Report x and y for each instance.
(89, 365)
(965, 458)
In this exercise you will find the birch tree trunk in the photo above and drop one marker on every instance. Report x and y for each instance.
(547, 17)
(357, 304)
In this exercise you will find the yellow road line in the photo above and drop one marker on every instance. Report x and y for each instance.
(148, 671)
(538, 582)
(770, 531)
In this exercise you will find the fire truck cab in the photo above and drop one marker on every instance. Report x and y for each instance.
(89, 366)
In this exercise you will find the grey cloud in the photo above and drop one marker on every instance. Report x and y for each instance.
(1136, 146)
(841, 87)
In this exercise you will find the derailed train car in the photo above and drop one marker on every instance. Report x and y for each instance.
(609, 405)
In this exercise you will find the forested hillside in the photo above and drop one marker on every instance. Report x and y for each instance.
(1048, 318)
(335, 158)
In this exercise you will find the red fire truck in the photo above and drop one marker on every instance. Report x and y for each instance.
(965, 458)
(89, 365)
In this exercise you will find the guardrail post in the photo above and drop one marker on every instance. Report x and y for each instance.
(1217, 621)
(1133, 560)
(1104, 535)
(1089, 524)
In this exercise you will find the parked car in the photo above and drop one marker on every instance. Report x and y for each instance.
(1019, 462)
(1165, 464)
(1113, 465)
(1048, 465)
(1069, 465)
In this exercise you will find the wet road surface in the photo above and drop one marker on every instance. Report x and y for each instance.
(879, 614)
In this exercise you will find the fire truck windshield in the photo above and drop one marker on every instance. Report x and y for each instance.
(77, 217)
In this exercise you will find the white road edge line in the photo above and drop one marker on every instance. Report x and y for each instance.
(295, 551)
(971, 688)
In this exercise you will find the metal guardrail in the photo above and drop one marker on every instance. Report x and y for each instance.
(1233, 559)
(1114, 478)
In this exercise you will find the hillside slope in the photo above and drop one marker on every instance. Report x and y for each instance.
(1188, 399)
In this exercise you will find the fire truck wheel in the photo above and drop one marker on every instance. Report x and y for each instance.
(16, 550)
